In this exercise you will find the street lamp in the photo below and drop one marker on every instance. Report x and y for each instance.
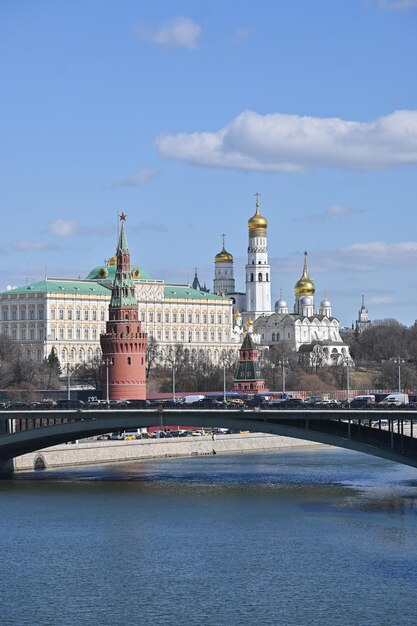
(283, 363)
(173, 378)
(224, 378)
(398, 360)
(69, 372)
(347, 362)
(107, 362)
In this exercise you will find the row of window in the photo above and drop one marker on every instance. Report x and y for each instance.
(87, 334)
(180, 317)
(260, 277)
(33, 334)
(21, 313)
(78, 314)
(189, 335)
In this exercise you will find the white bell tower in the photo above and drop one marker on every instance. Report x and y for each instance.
(258, 270)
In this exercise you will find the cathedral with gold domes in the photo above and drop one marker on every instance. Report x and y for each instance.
(307, 329)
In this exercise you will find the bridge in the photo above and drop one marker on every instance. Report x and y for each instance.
(386, 433)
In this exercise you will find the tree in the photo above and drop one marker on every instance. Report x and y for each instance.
(152, 351)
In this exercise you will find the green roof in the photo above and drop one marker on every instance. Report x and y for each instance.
(106, 273)
(183, 292)
(76, 287)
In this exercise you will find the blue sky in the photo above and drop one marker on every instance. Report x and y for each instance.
(178, 112)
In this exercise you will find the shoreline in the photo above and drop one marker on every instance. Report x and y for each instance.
(94, 452)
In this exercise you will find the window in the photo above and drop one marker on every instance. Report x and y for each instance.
(40, 334)
(159, 317)
(174, 335)
(197, 335)
(174, 317)
(53, 314)
(31, 313)
(219, 336)
(260, 277)
(61, 313)
(267, 277)
(197, 318)
(14, 333)
(204, 318)
(31, 333)
(94, 315)
(40, 313)
(5, 314)
(69, 313)
(129, 360)
(211, 318)
(166, 317)
(151, 316)
(22, 314)
(212, 335)
(182, 335)
(190, 335)
(182, 317)
(61, 333)
(142, 316)
(70, 334)
(205, 336)
(101, 315)
(86, 314)
(78, 334)
(167, 335)
(159, 335)
(85, 334)
(190, 318)
(219, 318)
(78, 315)
(251, 278)
(23, 334)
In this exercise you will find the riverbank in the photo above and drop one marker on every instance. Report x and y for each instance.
(89, 452)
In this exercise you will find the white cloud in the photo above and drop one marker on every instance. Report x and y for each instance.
(292, 143)
(138, 179)
(63, 228)
(380, 300)
(178, 33)
(333, 211)
(32, 245)
(398, 5)
(239, 35)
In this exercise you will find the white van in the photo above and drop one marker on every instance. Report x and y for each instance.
(395, 399)
(192, 399)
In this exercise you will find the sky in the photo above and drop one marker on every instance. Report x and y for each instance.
(178, 112)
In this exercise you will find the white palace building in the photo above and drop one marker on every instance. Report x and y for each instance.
(68, 315)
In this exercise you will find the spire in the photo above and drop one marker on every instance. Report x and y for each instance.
(196, 282)
(123, 289)
(305, 286)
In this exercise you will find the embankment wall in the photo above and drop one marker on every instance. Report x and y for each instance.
(101, 452)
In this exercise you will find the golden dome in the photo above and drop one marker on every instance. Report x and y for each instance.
(257, 221)
(249, 323)
(305, 286)
(238, 314)
(223, 257)
(112, 261)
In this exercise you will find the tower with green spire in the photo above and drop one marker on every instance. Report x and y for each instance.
(123, 344)
(248, 377)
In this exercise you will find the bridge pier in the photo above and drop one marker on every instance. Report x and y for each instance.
(6, 468)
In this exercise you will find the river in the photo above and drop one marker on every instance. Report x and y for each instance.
(321, 537)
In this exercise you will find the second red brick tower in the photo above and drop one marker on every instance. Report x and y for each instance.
(123, 344)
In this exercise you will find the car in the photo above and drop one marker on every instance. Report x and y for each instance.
(69, 404)
(292, 403)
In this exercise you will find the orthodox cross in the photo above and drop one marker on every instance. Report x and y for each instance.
(223, 236)
(257, 199)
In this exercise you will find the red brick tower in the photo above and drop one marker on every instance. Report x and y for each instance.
(123, 344)
(248, 374)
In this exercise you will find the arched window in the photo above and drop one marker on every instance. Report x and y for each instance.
(251, 278)
(267, 277)
(260, 277)
(129, 360)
